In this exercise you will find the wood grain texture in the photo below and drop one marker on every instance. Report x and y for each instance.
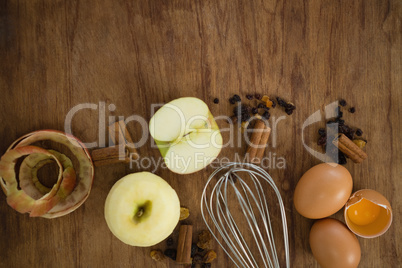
(58, 54)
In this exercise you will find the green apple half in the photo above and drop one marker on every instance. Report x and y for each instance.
(186, 134)
(142, 209)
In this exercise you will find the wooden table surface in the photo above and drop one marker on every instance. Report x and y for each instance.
(59, 54)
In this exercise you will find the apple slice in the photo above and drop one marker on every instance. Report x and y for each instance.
(142, 209)
(186, 134)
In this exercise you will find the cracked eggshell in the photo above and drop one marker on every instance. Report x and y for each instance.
(382, 222)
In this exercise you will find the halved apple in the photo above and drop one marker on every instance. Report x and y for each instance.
(186, 134)
(142, 209)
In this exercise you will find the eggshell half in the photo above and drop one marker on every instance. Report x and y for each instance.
(323, 190)
(334, 245)
(380, 225)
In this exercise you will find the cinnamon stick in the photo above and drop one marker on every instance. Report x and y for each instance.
(122, 151)
(258, 142)
(349, 148)
(184, 244)
(109, 155)
(120, 136)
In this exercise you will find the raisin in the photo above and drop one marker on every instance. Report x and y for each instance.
(344, 129)
(281, 102)
(273, 104)
(322, 132)
(197, 259)
(249, 96)
(232, 101)
(254, 111)
(171, 253)
(266, 115)
(257, 96)
(236, 98)
(322, 140)
(261, 105)
(288, 111)
(206, 265)
(341, 158)
(352, 110)
(245, 117)
(216, 100)
(290, 106)
(351, 134)
(340, 114)
(169, 242)
(342, 102)
(194, 249)
(359, 132)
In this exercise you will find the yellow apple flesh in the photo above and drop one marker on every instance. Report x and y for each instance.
(142, 209)
(186, 134)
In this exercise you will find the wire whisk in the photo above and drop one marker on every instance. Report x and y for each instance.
(239, 186)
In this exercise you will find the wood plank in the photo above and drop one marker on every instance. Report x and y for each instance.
(133, 54)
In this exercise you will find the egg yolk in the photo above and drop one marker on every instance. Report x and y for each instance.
(363, 212)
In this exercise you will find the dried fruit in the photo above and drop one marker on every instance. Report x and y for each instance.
(216, 100)
(209, 256)
(194, 249)
(204, 238)
(157, 255)
(249, 96)
(342, 102)
(184, 213)
(254, 111)
(244, 125)
(352, 110)
(206, 265)
(236, 98)
(341, 158)
(281, 102)
(322, 132)
(232, 101)
(257, 96)
(322, 140)
(261, 105)
(288, 111)
(171, 253)
(266, 115)
(197, 259)
(360, 143)
(169, 242)
(359, 132)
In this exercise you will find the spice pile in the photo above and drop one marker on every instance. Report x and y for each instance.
(261, 106)
(348, 145)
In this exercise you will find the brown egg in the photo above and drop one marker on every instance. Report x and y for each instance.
(368, 213)
(334, 245)
(322, 190)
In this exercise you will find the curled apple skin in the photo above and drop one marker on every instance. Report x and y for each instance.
(69, 194)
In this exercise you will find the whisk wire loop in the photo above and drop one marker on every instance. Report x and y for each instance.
(216, 205)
